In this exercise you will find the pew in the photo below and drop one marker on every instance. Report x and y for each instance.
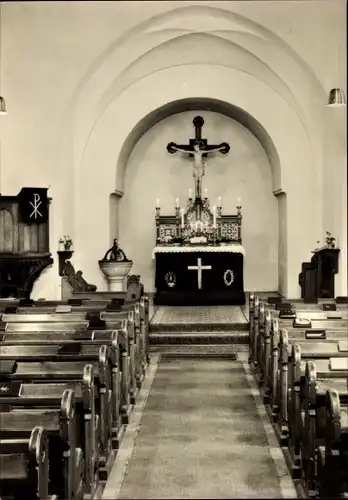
(299, 355)
(16, 394)
(332, 470)
(66, 475)
(49, 344)
(24, 466)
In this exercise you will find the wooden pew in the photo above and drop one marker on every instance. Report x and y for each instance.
(332, 370)
(276, 346)
(49, 395)
(312, 425)
(66, 473)
(332, 470)
(73, 325)
(137, 332)
(24, 466)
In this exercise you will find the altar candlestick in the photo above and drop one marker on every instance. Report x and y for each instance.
(206, 193)
(182, 217)
(177, 203)
(219, 201)
(158, 203)
(190, 193)
(214, 216)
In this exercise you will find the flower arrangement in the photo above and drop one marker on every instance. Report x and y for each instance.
(330, 240)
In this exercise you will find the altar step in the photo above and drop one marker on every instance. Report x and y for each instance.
(199, 331)
(198, 337)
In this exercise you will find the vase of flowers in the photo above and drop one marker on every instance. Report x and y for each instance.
(330, 240)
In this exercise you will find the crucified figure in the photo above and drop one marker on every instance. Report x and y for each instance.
(198, 149)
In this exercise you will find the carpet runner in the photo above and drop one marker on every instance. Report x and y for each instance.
(198, 434)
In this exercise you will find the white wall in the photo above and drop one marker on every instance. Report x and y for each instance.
(74, 99)
(245, 172)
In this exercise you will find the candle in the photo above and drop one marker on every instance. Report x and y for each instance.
(219, 201)
(182, 217)
(177, 203)
(206, 193)
(158, 203)
(239, 201)
(214, 216)
(190, 193)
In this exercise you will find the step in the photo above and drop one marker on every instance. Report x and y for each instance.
(198, 327)
(222, 337)
(193, 351)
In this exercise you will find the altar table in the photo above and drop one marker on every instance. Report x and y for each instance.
(199, 275)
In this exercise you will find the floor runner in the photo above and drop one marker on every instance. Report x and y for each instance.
(200, 436)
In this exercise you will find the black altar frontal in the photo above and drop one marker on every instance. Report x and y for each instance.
(196, 277)
(198, 253)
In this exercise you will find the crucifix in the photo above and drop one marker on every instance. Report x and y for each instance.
(199, 268)
(198, 148)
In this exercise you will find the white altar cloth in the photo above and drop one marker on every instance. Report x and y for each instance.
(232, 248)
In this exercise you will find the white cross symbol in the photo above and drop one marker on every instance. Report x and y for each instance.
(199, 268)
(36, 205)
(3, 388)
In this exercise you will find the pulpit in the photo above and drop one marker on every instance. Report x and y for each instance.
(317, 279)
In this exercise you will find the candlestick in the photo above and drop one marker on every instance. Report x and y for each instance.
(219, 201)
(190, 193)
(206, 193)
(182, 217)
(158, 203)
(214, 216)
(177, 203)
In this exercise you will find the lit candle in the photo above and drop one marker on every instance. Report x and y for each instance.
(158, 203)
(239, 201)
(177, 203)
(206, 193)
(190, 193)
(219, 201)
(182, 217)
(214, 216)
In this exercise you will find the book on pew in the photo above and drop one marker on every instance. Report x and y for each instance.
(341, 300)
(274, 300)
(74, 302)
(280, 306)
(9, 389)
(7, 366)
(71, 348)
(315, 334)
(329, 307)
(287, 314)
(10, 310)
(26, 302)
(301, 322)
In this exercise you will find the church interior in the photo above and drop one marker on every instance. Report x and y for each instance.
(173, 249)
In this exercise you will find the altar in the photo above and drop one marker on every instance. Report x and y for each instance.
(198, 253)
(199, 275)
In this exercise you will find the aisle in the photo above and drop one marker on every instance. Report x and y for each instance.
(199, 436)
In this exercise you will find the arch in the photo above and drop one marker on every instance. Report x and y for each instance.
(111, 137)
(208, 104)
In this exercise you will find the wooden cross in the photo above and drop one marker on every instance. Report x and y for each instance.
(198, 148)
